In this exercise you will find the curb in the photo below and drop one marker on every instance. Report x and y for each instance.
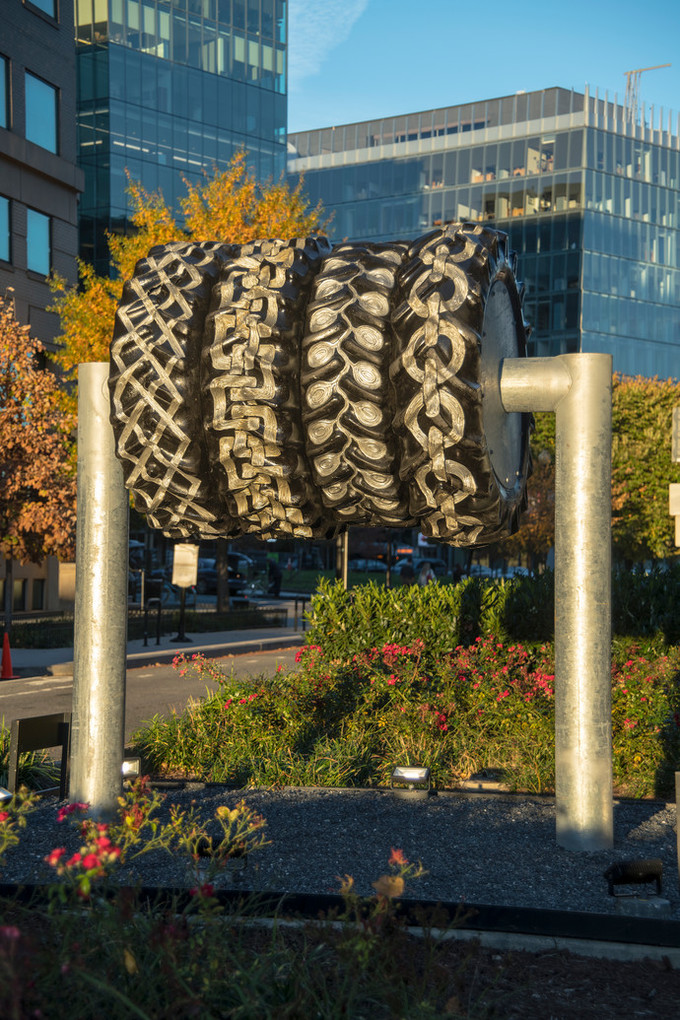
(154, 655)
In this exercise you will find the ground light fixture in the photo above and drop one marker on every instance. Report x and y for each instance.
(411, 781)
(132, 768)
(5, 795)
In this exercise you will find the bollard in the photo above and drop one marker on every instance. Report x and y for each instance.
(98, 727)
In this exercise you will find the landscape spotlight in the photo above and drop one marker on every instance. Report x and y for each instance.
(411, 781)
(5, 795)
(132, 767)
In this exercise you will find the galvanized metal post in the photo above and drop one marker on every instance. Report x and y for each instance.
(578, 388)
(101, 602)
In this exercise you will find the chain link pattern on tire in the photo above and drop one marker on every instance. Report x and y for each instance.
(347, 403)
(156, 393)
(436, 371)
(251, 363)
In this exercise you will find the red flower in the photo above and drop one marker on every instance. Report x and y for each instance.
(55, 856)
(68, 809)
(202, 890)
(4, 815)
(397, 858)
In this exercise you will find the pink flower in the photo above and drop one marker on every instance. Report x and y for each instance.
(9, 931)
(4, 815)
(91, 861)
(392, 679)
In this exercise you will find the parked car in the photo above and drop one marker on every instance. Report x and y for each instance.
(369, 566)
(206, 583)
(438, 566)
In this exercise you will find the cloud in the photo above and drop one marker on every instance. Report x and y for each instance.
(315, 27)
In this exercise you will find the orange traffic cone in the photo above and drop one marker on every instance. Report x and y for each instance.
(7, 673)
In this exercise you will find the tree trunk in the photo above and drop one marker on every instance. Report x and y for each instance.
(222, 565)
(9, 593)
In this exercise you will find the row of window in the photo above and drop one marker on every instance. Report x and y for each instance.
(38, 240)
(608, 274)
(20, 593)
(392, 217)
(510, 162)
(250, 48)
(624, 317)
(453, 120)
(41, 107)
(154, 85)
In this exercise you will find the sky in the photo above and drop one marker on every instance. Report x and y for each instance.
(353, 60)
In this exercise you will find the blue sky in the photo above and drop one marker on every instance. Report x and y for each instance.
(352, 60)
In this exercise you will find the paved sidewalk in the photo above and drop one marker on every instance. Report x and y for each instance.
(28, 662)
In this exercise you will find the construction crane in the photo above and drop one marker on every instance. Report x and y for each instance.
(633, 89)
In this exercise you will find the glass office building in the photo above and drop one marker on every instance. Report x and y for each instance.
(588, 193)
(168, 88)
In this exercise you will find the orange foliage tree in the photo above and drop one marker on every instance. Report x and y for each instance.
(37, 499)
(231, 206)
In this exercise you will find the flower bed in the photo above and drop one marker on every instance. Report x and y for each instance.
(347, 722)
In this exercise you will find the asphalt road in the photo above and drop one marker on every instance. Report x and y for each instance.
(149, 690)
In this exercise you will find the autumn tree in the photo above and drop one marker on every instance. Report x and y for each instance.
(642, 528)
(230, 206)
(37, 499)
(641, 467)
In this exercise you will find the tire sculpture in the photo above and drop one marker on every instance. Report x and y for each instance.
(287, 388)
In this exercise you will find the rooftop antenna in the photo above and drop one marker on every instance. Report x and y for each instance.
(633, 89)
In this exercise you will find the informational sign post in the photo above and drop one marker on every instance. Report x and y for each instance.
(185, 565)
(674, 508)
(184, 575)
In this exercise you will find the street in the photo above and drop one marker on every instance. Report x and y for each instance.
(150, 690)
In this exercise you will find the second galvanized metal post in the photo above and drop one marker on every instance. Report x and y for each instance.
(578, 388)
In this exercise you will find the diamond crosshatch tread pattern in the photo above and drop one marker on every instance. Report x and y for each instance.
(287, 388)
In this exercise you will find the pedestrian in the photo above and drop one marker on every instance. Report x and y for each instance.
(406, 573)
(274, 572)
(426, 574)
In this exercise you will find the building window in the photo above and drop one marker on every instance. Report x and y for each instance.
(46, 6)
(41, 112)
(38, 251)
(38, 593)
(5, 233)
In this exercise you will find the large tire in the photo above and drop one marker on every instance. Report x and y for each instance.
(251, 363)
(348, 405)
(312, 389)
(155, 390)
(437, 371)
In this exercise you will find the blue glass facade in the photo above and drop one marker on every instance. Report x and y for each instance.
(168, 88)
(589, 199)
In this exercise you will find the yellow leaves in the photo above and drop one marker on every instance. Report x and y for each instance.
(389, 886)
(130, 962)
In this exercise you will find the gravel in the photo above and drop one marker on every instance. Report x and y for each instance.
(479, 848)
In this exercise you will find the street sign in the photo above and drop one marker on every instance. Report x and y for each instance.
(674, 500)
(185, 565)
